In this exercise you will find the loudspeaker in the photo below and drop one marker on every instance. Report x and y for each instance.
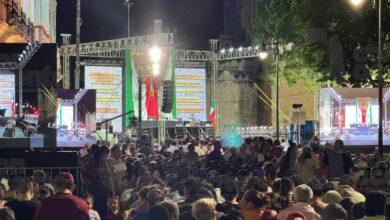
(167, 96)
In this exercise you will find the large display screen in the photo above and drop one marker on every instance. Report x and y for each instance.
(108, 84)
(76, 122)
(352, 115)
(7, 97)
(191, 94)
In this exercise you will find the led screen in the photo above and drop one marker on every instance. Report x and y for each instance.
(107, 81)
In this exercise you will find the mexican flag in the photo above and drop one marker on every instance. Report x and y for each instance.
(212, 115)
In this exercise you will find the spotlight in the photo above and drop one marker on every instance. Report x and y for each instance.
(240, 49)
(155, 54)
(263, 55)
(257, 47)
(24, 51)
(223, 51)
(231, 49)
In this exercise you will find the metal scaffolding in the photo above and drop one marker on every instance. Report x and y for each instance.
(116, 49)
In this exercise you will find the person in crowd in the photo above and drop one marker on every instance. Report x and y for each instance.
(204, 209)
(23, 206)
(375, 206)
(303, 194)
(63, 205)
(375, 182)
(141, 205)
(119, 167)
(6, 214)
(308, 164)
(100, 179)
(13, 183)
(336, 158)
(229, 191)
(348, 203)
(44, 192)
(114, 209)
(387, 212)
(253, 204)
(287, 190)
(172, 209)
(191, 155)
(93, 214)
(334, 211)
(288, 162)
(345, 188)
(215, 156)
(358, 210)
(2, 195)
(158, 212)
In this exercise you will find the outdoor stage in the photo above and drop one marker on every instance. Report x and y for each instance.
(352, 115)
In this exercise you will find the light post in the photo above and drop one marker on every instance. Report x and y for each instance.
(128, 4)
(357, 3)
(263, 55)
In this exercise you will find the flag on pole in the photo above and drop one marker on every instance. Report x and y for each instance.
(129, 88)
(212, 115)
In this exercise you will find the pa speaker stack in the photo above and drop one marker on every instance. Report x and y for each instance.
(167, 96)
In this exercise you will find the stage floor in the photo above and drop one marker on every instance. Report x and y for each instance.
(63, 141)
(18, 133)
(364, 139)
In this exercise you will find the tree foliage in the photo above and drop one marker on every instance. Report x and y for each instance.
(328, 40)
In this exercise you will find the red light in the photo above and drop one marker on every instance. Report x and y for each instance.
(36, 111)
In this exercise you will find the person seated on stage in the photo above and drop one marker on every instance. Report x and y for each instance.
(23, 206)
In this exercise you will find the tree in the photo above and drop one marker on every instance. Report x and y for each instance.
(328, 41)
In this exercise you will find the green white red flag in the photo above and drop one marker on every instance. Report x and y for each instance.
(212, 115)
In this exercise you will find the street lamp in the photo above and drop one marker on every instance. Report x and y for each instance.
(263, 54)
(128, 4)
(380, 72)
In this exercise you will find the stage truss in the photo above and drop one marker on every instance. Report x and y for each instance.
(94, 53)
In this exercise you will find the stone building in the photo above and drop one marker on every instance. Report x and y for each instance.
(237, 97)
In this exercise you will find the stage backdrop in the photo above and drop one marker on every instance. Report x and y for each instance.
(7, 91)
(108, 84)
(191, 94)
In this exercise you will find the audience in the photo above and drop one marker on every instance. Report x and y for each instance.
(202, 179)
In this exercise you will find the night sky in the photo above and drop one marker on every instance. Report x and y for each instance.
(196, 21)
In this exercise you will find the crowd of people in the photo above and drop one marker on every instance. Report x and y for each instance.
(202, 179)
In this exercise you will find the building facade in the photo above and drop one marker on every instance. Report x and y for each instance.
(22, 19)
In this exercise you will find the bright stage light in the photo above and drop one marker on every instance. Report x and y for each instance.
(263, 55)
(156, 69)
(231, 49)
(240, 49)
(223, 51)
(356, 2)
(155, 54)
